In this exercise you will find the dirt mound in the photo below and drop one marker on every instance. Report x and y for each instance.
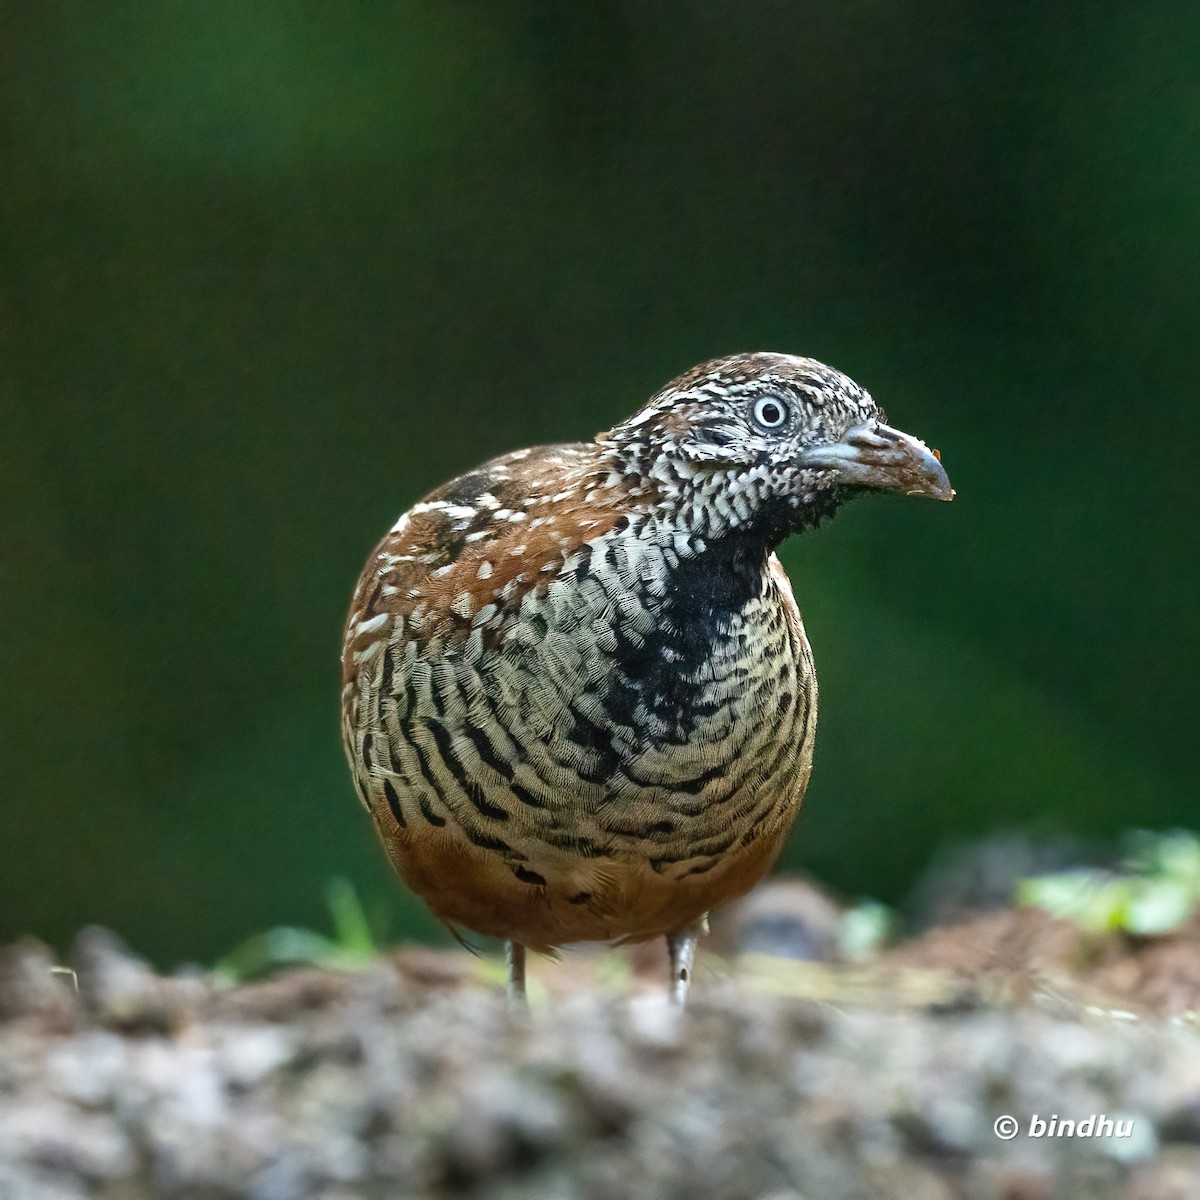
(782, 1079)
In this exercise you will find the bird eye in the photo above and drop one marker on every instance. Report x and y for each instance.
(769, 413)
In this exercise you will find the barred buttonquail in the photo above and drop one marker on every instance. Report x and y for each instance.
(579, 701)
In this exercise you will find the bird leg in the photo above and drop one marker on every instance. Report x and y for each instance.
(682, 947)
(514, 955)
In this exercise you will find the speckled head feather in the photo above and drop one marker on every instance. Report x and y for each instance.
(724, 445)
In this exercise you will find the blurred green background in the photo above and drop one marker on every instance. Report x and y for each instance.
(270, 271)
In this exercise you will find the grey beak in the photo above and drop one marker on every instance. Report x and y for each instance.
(876, 456)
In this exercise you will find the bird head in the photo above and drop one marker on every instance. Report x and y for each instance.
(769, 443)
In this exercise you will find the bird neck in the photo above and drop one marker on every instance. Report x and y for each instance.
(695, 578)
(730, 504)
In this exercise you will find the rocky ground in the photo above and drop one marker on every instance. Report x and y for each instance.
(782, 1080)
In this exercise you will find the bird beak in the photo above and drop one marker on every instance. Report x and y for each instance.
(872, 455)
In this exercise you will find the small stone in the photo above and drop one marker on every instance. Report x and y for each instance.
(88, 1070)
(1139, 1145)
(32, 984)
(248, 1055)
(120, 989)
(1182, 1123)
(655, 1021)
(51, 1133)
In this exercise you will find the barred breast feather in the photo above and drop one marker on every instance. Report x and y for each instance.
(570, 716)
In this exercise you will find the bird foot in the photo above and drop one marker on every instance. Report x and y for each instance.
(514, 955)
(682, 948)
